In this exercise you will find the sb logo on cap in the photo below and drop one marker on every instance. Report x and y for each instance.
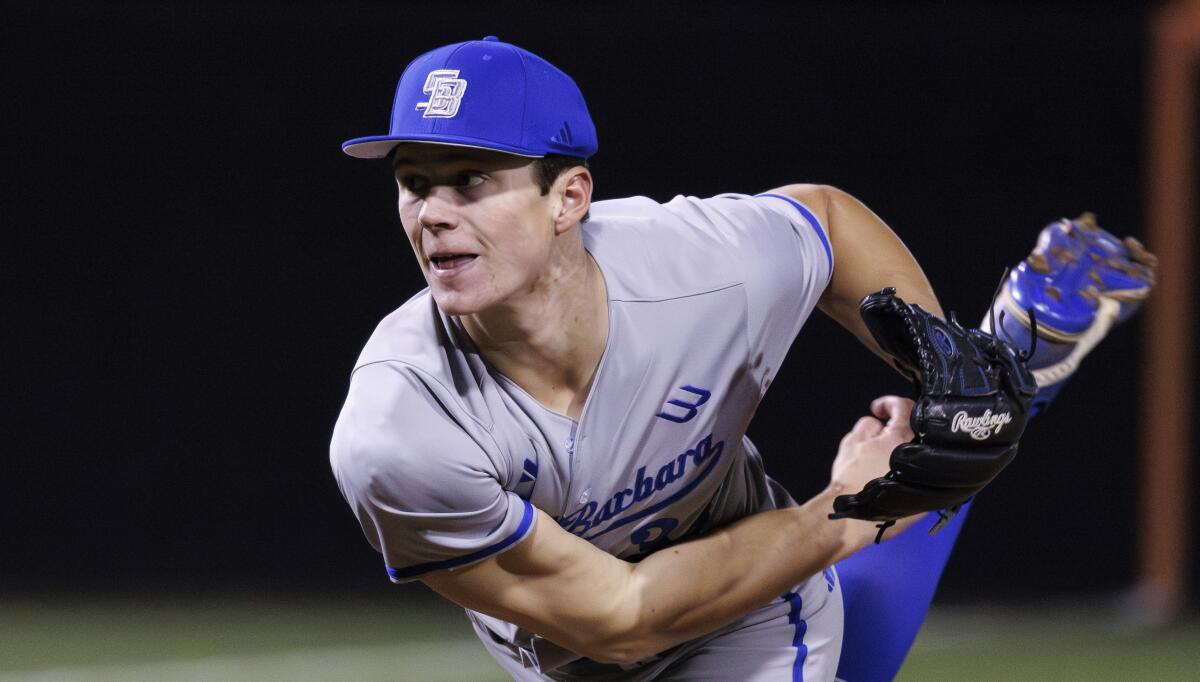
(445, 90)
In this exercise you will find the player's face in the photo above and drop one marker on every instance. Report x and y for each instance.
(478, 223)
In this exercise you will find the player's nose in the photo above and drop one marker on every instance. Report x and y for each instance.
(439, 209)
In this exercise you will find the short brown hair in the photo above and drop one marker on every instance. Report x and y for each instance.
(547, 169)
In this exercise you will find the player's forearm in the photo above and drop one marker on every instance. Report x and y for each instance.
(607, 609)
(695, 587)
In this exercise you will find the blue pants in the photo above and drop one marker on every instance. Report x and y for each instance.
(886, 592)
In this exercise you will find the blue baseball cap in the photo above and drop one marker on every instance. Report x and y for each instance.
(485, 94)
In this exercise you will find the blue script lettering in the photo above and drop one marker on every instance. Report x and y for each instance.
(644, 487)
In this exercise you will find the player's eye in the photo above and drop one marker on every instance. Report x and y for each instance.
(468, 180)
(417, 184)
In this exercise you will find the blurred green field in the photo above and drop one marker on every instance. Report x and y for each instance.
(420, 639)
(1050, 642)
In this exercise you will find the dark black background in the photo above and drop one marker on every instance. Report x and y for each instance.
(196, 264)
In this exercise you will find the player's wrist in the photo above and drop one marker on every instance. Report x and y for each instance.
(840, 537)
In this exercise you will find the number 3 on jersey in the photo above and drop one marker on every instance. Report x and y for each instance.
(653, 535)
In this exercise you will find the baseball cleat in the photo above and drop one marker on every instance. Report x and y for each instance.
(1079, 281)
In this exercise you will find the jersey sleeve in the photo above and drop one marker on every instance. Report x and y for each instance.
(783, 254)
(426, 493)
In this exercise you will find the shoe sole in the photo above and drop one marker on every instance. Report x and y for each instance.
(1106, 318)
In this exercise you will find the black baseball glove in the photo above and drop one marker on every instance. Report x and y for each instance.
(974, 395)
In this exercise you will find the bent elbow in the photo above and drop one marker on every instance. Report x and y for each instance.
(625, 636)
(616, 624)
(626, 650)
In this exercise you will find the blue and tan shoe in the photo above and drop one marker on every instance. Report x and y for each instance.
(1079, 281)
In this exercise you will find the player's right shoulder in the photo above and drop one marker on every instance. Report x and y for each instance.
(415, 334)
(387, 414)
(401, 396)
(424, 478)
(404, 437)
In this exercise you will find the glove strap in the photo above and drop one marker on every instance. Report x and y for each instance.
(882, 527)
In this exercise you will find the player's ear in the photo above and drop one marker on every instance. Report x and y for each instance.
(574, 188)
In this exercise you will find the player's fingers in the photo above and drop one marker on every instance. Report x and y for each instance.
(892, 408)
(866, 427)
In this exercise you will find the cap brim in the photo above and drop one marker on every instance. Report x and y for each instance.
(379, 146)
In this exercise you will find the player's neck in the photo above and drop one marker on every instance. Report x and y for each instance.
(550, 340)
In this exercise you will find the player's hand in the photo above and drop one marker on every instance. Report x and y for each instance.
(864, 453)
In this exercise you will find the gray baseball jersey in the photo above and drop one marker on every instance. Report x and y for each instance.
(443, 459)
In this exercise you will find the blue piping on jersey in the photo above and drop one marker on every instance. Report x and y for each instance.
(531, 467)
(398, 574)
(798, 638)
(718, 449)
(812, 220)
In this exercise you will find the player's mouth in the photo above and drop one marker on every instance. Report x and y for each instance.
(449, 264)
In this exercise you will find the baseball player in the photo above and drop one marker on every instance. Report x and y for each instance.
(552, 434)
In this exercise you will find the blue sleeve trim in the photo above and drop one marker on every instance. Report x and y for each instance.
(398, 574)
(812, 220)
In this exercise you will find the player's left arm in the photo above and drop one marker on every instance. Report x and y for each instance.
(868, 256)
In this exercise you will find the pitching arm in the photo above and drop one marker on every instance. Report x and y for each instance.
(565, 589)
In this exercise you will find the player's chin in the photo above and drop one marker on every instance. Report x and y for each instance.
(458, 300)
